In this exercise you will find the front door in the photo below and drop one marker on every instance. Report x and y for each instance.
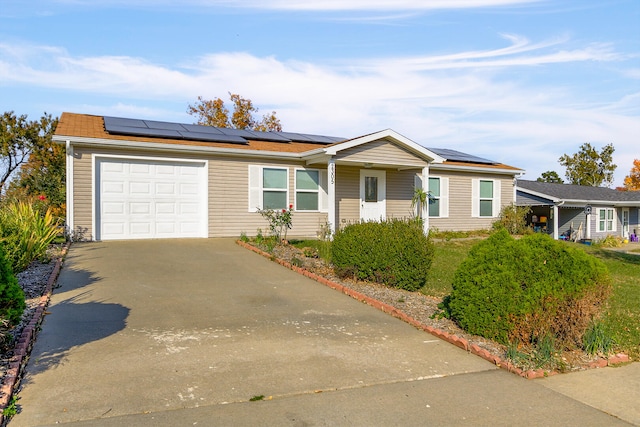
(373, 205)
(625, 223)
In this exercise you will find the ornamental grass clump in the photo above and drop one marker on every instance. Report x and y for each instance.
(394, 252)
(25, 233)
(521, 291)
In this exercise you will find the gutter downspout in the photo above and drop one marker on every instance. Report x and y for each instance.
(69, 171)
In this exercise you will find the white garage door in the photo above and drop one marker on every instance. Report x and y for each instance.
(144, 199)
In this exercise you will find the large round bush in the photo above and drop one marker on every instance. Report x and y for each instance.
(394, 252)
(523, 290)
(12, 302)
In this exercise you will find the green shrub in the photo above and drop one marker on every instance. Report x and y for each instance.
(11, 296)
(25, 233)
(523, 290)
(394, 252)
(514, 219)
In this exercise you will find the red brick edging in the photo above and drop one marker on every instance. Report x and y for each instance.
(453, 339)
(26, 339)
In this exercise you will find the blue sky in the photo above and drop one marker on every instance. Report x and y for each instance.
(517, 81)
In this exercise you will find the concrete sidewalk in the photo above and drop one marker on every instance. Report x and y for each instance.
(188, 331)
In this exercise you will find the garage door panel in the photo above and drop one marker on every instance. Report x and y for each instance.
(139, 188)
(189, 208)
(166, 189)
(188, 189)
(164, 170)
(165, 208)
(139, 169)
(150, 199)
(165, 228)
(114, 228)
(188, 227)
(142, 227)
(113, 167)
(114, 208)
(112, 187)
(140, 208)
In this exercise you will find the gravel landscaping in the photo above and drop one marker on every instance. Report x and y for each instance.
(33, 282)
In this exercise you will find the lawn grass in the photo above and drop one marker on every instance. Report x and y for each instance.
(447, 257)
(622, 318)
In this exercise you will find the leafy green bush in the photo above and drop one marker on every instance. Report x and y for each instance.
(514, 219)
(25, 233)
(523, 290)
(11, 296)
(394, 252)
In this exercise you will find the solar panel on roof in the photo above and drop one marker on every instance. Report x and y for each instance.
(458, 156)
(212, 137)
(202, 129)
(130, 130)
(152, 124)
(152, 128)
(294, 136)
(268, 136)
(303, 137)
(117, 121)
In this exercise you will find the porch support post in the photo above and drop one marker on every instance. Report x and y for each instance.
(331, 194)
(425, 208)
(555, 222)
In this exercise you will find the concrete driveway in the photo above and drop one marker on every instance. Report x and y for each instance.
(186, 332)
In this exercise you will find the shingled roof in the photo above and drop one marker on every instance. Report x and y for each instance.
(569, 192)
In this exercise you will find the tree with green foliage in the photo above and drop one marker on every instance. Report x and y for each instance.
(550, 177)
(26, 148)
(590, 167)
(213, 112)
(43, 175)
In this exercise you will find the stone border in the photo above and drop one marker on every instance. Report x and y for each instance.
(450, 338)
(25, 342)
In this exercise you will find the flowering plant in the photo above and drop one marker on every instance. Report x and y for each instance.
(279, 221)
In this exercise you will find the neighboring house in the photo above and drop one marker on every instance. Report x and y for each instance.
(592, 212)
(133, 179)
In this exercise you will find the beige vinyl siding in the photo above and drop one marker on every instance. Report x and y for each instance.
(347, 195)
(229, 214)
(82, 195)
(380, 152)
(460, 200)
(400, 191)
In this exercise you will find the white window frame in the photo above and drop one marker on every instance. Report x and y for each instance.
(609, 222)
(256, 186)
(443, 198)
(323, 198)
(475, 198)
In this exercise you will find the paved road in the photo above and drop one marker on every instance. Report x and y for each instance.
(186, 332)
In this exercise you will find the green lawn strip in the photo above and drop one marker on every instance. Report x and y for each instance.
(622, 318)
(447, 258)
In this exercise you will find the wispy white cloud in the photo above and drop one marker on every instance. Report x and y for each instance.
(465, 100)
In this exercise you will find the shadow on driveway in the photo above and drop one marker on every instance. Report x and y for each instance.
(98, 320)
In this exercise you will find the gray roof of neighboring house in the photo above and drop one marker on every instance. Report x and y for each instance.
(577, 192)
